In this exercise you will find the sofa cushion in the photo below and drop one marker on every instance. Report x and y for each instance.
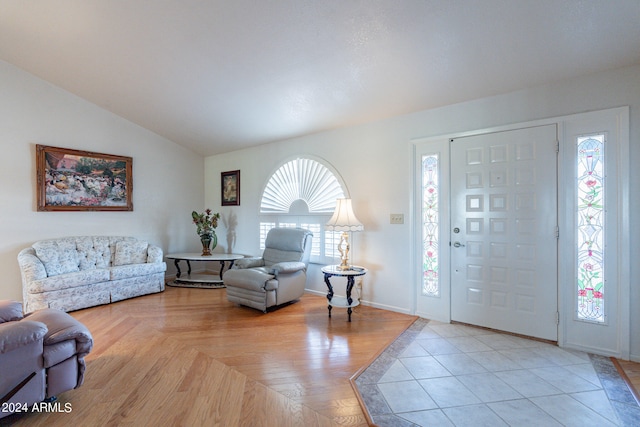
(130, 252)
(58, 256)
(94, 252)
(135, 270)
(71, 298)
(69, 280)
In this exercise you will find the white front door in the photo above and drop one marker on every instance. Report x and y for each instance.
(503, 231)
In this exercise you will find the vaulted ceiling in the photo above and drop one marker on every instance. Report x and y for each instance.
(221, 75)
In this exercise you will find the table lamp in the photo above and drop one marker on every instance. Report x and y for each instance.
(344, 220)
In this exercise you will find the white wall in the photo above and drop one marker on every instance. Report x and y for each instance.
(375, 162)
(167, 178)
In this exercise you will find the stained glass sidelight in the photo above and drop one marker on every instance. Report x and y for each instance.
(590, 228)
(430, 222)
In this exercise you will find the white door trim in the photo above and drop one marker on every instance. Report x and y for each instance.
(565, 296)
(570, 328)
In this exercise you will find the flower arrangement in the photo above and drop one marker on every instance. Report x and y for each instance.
(206, 222)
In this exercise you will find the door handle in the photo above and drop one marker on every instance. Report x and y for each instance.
(458, 245)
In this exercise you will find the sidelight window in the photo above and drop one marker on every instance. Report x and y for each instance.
(430, 226)
(590, 188)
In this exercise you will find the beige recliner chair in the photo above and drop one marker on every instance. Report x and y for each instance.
(279, 276)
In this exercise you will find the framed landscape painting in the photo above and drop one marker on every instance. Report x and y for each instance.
(230, 182)
(75, 180)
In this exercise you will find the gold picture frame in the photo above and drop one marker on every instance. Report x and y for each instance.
(76, 180)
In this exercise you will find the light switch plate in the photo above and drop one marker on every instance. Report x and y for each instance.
(396, 219)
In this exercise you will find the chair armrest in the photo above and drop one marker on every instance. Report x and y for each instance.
(248, 263)
(10, 311)
(62, 327)
(14, 335)
(287, 267)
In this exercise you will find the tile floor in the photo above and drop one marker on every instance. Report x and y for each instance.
(438, 374)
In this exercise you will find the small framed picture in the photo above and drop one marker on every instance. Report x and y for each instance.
(230, 188)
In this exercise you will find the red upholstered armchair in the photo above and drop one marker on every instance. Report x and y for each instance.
(41, 355)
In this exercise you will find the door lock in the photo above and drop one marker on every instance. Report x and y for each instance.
(458, 245)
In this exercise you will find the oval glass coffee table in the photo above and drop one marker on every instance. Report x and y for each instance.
(200, 280)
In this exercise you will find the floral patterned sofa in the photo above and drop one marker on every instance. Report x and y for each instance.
(77, 272)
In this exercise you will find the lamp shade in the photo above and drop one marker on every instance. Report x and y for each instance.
(343, 218)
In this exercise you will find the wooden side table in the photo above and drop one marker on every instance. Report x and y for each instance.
(339, 301)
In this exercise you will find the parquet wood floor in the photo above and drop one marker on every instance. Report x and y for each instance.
(188, 357)
(632, 372)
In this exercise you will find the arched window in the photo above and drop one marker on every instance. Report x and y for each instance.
(302, 193)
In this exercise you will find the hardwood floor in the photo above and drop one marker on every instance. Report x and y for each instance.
(189, 357)
(631, 371)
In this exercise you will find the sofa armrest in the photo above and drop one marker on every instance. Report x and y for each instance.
(248, 263)
(287, 267)
(10, 311)
(14, 335)
(31, 267)
(62, 327)
(154, 254)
